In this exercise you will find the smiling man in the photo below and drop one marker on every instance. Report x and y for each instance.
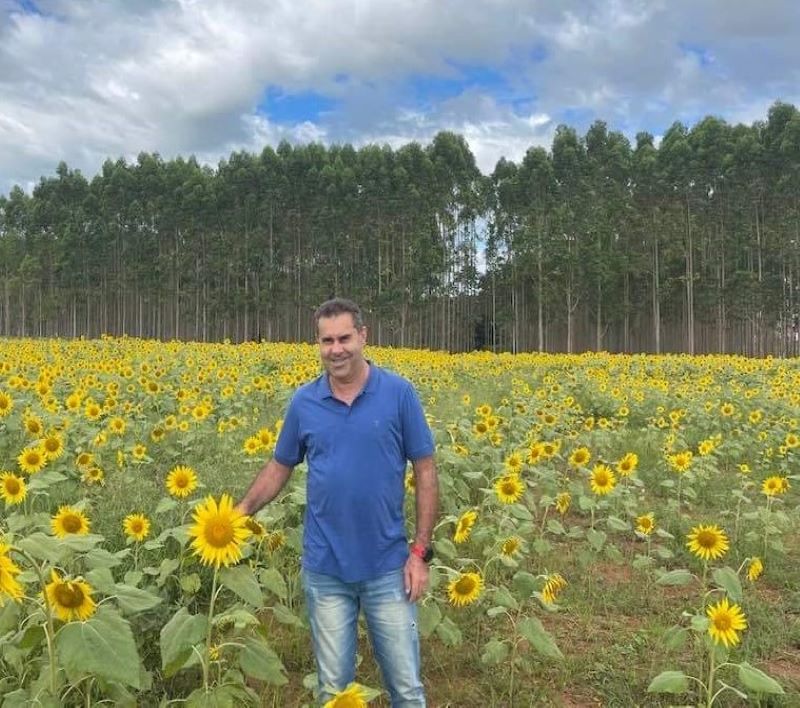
(357, 425)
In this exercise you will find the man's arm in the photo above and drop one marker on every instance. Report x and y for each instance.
(426, 486)
(265, 487)
(426, 490)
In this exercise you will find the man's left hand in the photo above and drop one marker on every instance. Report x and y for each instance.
(416, 577)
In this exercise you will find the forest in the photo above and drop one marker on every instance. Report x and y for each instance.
(686, 243)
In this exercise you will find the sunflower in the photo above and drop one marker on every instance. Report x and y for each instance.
(509, 488)
(707, 542)
(69, 520)
(724, 621)
(94, 475)
(84, 459)
(256, 528)
(484, 410)
(70, 599)
(266, 437)
(354, 696)
(252, 445)
(464, 526)
(9, 586)
(550, 448)
(12, 488)
(554, 584)
(117, 425)
(792, 440)
(646, 523)
(218, 532)
(32, 459)
(580, 457)
(627, 465)
(479, 429)
(136, 527)
(6, 404)
(92, 411)
(535, 453)
(410, 483)
(33, 425)
(181, 481)
(772, 486)
(275, 540)
(727, 409)
(513, 463)
(465, 589)
(139, 451)
(754, 569)
(563, 500)
(510, 546)
(53, 445)
(681, 461)
(602, 479)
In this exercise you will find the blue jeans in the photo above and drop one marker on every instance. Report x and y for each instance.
(333, 608)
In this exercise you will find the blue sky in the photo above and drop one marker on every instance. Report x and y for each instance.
(85, 80)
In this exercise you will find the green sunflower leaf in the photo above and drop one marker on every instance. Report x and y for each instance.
(541, 640)
(449, 632)
(428, 615)
(178, 636)
(494, 652)
(41, 547)
(272, 579)
(242, 581)
(103, 645)
(756, 680)
(675, 577)
(259, 661)
(132, 600)
(669, 682)
(727, 579)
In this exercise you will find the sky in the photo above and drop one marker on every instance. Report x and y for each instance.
(87, 80)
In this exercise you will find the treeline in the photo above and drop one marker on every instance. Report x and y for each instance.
(692, 245)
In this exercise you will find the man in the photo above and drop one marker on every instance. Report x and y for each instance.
(357, 425)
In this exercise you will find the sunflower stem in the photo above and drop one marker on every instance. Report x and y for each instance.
(207, 657)
(710, 696)
(766, 524)
(49, 627)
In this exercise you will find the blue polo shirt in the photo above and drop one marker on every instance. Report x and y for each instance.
(357, 456)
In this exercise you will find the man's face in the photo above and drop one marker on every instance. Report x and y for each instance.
(341, 346)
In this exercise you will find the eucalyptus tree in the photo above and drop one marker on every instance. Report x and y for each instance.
(675, 166)
(781, 151)
(15, 218)
(458, 200)
(571, 217)
(648, 210)
(608, 164)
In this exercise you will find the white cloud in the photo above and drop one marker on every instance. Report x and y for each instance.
(90, 79)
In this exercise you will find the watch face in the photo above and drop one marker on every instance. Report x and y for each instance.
(428, 557)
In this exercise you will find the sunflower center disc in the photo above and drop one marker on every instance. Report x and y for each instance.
(71, 524)
(219, 533)
(69, 595)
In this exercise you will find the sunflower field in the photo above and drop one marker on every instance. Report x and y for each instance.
(614, 530)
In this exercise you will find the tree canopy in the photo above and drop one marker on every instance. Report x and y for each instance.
(596, 244)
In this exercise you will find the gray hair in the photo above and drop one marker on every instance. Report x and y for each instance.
(339, 306)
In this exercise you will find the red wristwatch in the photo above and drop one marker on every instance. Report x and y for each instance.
(422, 552)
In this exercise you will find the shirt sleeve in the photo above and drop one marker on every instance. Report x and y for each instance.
(417, 437)
(289, 450)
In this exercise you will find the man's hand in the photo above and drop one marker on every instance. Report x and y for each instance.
(416, 577)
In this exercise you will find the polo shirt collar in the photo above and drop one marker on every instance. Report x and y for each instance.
(372, 382)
